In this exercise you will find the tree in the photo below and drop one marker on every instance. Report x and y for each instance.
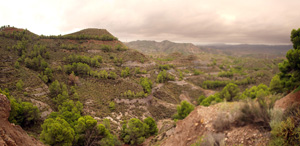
(84, 130)
(290, 68)
(183, 110)
(55, 88)
(23, 113)
(57, 132)
(134, 132)
(152, 126)
(146, 84)
(230, 92)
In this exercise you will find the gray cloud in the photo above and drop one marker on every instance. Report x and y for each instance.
(198, 21)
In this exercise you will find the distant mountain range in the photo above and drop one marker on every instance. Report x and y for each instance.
(247, 50)
(168, 47)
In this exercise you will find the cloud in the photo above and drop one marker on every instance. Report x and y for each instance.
(221, 21)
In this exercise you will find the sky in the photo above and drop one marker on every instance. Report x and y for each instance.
(195, 21)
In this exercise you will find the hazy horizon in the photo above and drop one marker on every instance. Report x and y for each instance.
(192, 21)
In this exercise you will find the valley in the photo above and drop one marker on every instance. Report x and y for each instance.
(91, 74)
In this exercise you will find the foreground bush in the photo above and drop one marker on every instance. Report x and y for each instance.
(287, 132)
(256, 113)
(57, 132)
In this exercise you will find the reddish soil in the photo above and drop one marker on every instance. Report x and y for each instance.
(288, 100)
(12, 29)
(10, 134)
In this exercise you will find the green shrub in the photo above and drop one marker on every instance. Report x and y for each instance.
(146, 84)
(165, 67)
(200, 99)
(275, 85)
(112, 106)
(256, 91)
(77, 68)
(163, 76)
(17, 65)
(20, 85)
(121, 48)
(105, 48)
(152, 126)
(215, 98)
(230, 92)
(125, 73)
(228, 74)
(183, 110)
(112, 75)
(135, 131)
(197, 72)
(130, 94)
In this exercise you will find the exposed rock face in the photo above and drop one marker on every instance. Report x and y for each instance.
(288, 100)
(10, 134)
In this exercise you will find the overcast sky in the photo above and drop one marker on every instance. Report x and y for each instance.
(197, 21)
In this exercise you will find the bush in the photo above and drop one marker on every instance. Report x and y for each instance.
(17, 65)
(163, 76)
(211, 99)
(275, 85)
(146, 84)
(152, 126)
(130, 94)
(165, 67)
(112, 106)
(197, 72)
(125, 73)
(256, 91)
(106, 48)
(183, 110)
(228, 74)
(135, 131)
(222, 122)
(200, 99)
(20, 85)
(77, 68)
(121, 48)
(230, 92)
(256, 113)
(286, 132)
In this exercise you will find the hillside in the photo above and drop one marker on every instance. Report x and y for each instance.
(97, 75)
(165, 47)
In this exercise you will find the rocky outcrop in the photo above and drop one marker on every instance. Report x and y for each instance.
(10, 134)
(288, 100)
(199, 123)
